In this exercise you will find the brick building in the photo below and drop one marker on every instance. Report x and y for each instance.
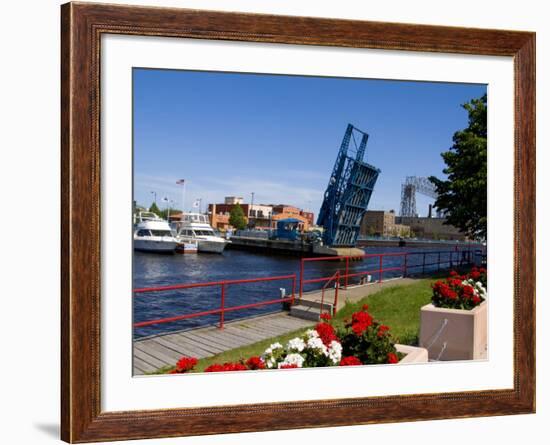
(262, 216)
(382, 223)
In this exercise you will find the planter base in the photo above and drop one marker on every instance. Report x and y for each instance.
(454, 334)
(414, 354)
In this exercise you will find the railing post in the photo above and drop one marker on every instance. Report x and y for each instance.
(293, 290)
(347, 272)
(438, 261)
(301, 277)
(380, 269)
(222, 306)
(405, 265)
(336, 293)
(423, 263)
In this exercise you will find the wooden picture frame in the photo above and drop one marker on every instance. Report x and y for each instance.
(82, 26)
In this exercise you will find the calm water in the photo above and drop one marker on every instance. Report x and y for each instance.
(151, 270)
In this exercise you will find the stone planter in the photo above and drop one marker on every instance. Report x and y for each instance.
(454, 334)
(414, 354)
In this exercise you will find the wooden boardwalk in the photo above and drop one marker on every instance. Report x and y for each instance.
(152, 353)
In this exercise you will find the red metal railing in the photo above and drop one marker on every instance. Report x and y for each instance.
(336, 279)
(222, 309)
(453, 257)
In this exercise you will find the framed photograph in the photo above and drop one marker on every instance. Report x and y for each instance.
(276, 222)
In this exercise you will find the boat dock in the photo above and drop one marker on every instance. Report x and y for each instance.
(299, 248)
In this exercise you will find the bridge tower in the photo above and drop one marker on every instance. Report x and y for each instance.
(348, 191)
(409, 189)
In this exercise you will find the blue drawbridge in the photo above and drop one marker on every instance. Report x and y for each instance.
(348, 192)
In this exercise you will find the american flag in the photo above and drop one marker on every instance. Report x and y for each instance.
(180, 181)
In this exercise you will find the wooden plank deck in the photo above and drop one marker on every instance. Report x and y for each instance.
(152, 353)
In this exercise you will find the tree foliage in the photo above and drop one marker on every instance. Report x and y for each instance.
(463, 195)
(154, 208)
(236, 217)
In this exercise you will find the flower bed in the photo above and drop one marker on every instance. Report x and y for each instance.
(461, 291)
(454, 325)
(361, 340)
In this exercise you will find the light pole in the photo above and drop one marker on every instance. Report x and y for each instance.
(154, 197)
(250, 211)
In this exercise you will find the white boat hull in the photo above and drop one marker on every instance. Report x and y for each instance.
(155, 246)
(211, 246)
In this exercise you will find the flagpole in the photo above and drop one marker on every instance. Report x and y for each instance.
(182, 183)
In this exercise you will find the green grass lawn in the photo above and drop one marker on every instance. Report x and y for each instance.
(397, 307)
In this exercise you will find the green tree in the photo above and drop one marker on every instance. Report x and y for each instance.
(154, 208)
(236, 217)
(463, 195)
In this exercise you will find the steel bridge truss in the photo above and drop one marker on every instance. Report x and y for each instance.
(348, 192)
(409, 189)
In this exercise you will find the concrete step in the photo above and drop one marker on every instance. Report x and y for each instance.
(316, 303)
(305, 312)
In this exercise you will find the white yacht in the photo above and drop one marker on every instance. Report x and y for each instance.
(153, 234)
(195, 227)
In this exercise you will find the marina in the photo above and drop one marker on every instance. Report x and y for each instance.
(253, 271)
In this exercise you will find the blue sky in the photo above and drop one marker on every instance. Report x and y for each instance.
(277, 136)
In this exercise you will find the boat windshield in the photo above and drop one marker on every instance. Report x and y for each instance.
(204, 232)
(196, 217)
(161, 232)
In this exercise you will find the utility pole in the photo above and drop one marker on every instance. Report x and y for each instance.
(155, 197)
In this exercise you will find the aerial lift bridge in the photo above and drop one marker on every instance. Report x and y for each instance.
(409, 189)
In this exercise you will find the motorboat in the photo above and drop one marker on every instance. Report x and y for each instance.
(153, 234)
(187, 247)
(195, 227)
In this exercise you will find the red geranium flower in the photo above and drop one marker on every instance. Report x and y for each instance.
(325, 317)
(365, 307)
(350, 361)
(185, 364)
(360, 321)
(255, 363)
(392, 358)
(326, 333)
(289, 366)
(453, 273)
(382, 329)
(216, 367)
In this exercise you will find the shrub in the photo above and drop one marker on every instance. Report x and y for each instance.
(367, 340)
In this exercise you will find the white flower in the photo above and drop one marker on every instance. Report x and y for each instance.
(292, 360)
(335, 352)
(317, 343)
(296, 344)
(272, 347)
(312, 333)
